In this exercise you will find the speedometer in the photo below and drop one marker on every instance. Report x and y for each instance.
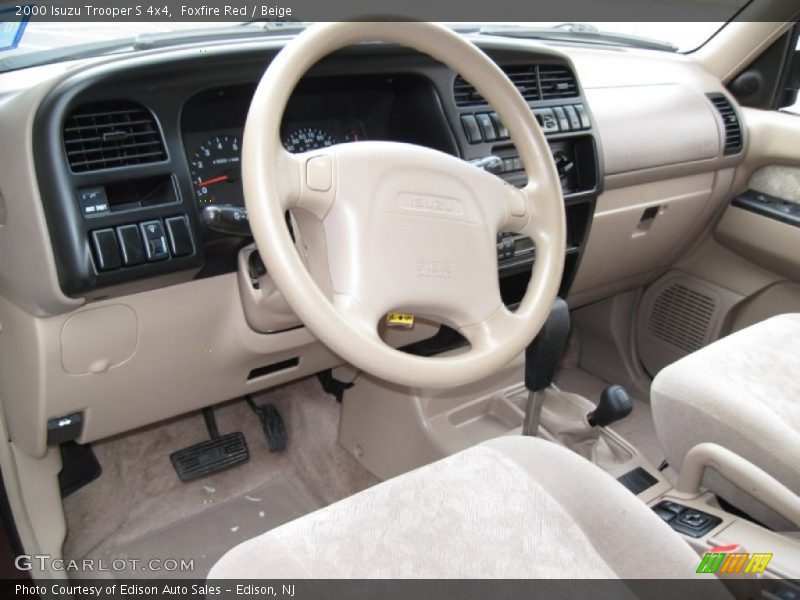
(216, 171)
(307, 138)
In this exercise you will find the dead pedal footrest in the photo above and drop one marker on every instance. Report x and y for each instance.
(209, 457)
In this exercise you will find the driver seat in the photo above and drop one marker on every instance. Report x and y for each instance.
(513, 507)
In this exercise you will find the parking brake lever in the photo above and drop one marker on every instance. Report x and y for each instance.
(227, 219)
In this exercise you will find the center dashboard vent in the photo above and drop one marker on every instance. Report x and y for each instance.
(733, 128)
(534, 82)
(111, 134)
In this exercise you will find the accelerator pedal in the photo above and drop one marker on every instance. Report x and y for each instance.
(272, 422)
(206, 458)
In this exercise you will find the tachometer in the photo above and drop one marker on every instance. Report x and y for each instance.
(216, 171)
(308, 138)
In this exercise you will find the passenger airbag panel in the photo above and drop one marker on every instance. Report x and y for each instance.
(643, 127)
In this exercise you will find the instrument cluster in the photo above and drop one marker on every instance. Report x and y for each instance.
(215, 156)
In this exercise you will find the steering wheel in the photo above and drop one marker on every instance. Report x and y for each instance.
(396, 227)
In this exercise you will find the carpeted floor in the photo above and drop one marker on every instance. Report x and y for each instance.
(203, 538)
(139, 497)
(637, 428)
(139, 492)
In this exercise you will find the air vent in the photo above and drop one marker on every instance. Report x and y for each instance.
(111, 134)
(534, 82)
(557, 82)
(682, 317)
(465, 93)
(526, 81)
(733, 129)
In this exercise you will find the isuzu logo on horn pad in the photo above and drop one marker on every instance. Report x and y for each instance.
(431, 204)
(434, 268)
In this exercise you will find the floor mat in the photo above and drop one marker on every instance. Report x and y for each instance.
(206, 536)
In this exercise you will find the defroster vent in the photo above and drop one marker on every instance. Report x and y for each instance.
(111, 134)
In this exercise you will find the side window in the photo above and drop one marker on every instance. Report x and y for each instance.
(795, 68)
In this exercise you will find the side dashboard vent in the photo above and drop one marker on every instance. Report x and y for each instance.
(682, 317)
(733, 128)
(465, 93)
(534, 82)
(556, 81)
(108, 135)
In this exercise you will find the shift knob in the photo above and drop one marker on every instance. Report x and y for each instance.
(615, 404)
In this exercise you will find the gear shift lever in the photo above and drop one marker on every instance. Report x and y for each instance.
(541, 361)
(615, 404)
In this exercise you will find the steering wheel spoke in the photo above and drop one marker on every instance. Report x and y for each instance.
(492, 332)
(308, 180)
(518, 206)
(358, 314)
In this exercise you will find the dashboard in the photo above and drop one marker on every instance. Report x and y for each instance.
(140, 168)
(131, 308)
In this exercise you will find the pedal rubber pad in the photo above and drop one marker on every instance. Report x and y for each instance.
(274, 429)
(210, 457)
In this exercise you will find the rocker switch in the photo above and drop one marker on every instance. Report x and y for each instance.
(155, 241)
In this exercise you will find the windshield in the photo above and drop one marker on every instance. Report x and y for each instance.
(42, 42)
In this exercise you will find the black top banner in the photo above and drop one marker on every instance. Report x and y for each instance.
(430, 10)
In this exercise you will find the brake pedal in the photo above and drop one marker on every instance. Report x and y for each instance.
(206, 458)
(272, 422)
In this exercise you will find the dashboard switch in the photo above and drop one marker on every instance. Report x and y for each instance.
(584, 116)
(487, 127)
(155, 242)
(106, 249)
(471, 129)
(561, 117)
(547, 119)
(130, 242)
(319, 173)
(180, 238)
(572, 115)
(502, 131)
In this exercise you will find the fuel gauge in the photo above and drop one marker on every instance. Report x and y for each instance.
(353, 131)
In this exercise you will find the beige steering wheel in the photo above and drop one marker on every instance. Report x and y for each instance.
(395, 227)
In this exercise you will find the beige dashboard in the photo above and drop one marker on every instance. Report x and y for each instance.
(143, 356)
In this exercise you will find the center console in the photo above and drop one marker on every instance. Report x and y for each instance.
(555, 96)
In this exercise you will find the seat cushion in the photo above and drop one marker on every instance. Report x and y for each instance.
(513, 507)
(742, 392)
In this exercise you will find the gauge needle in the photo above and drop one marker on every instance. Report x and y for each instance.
(213, 180)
